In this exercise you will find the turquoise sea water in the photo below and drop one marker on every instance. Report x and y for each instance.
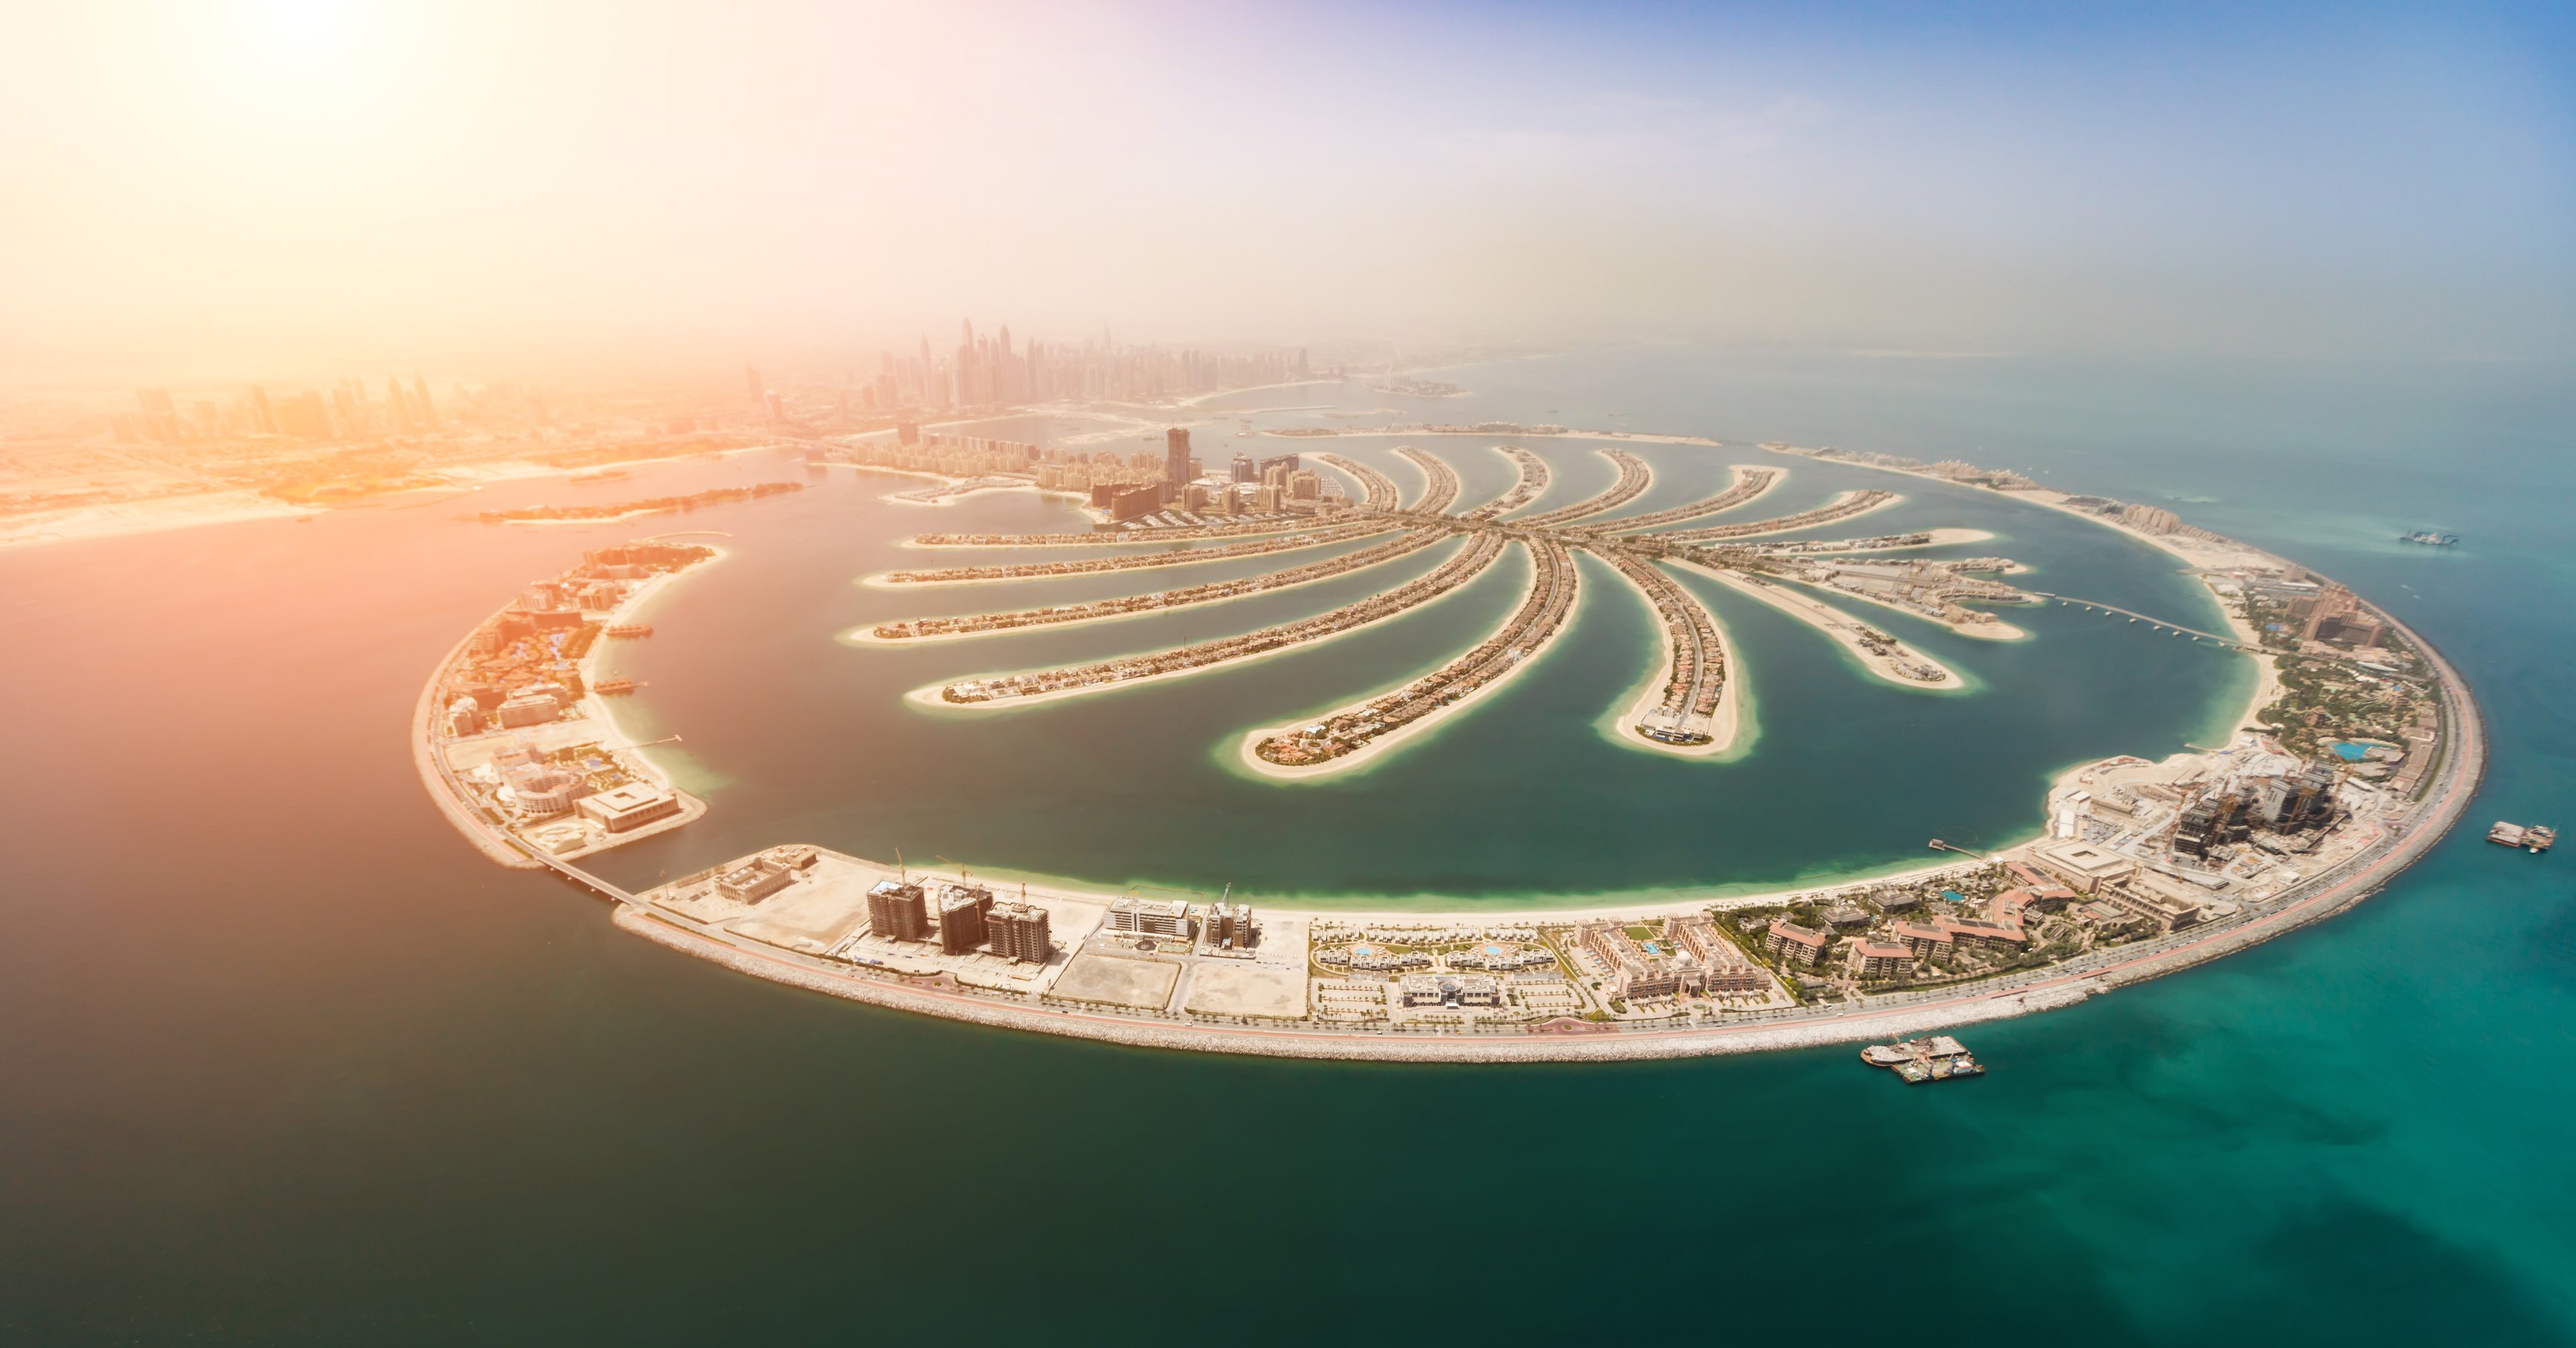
(286, 1061)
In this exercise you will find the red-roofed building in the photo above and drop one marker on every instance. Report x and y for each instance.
(1926, 942)
(2001, 936)
(1869, 959)
(1789, 941)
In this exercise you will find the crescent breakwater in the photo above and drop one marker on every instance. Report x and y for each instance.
(1575, 983)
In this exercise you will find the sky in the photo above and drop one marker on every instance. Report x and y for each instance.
(420, 181)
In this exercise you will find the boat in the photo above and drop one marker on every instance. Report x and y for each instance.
(1938, 1058)
(2533, 838)
(2430, 538)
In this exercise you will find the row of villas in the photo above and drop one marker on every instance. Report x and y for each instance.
(1388, 551)
(1551, 598)
(1474, 558)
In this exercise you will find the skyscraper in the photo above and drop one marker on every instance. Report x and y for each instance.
(1176, 455)
(420, 402)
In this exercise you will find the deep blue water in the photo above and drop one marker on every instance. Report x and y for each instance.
(284, 1061)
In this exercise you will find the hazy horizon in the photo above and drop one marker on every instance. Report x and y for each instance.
(356, 183)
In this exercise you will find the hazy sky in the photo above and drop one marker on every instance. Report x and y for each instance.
(486, 178)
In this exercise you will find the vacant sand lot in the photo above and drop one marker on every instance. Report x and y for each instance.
(807, 918)
(1106, 980)
(1247, 990)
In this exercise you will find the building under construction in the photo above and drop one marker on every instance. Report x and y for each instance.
(2292, 803)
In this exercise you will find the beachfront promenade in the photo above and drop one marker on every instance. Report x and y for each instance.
(2402, 835)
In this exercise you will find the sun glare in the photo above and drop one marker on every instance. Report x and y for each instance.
(302, 32)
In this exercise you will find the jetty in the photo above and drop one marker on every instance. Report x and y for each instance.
(1938, 1058)
(2532, 838)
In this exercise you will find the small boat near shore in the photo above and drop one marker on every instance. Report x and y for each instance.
(2430, 538)
(2532, 838)
(1938, 1058)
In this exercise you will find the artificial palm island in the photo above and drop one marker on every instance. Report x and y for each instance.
(2144, 867)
